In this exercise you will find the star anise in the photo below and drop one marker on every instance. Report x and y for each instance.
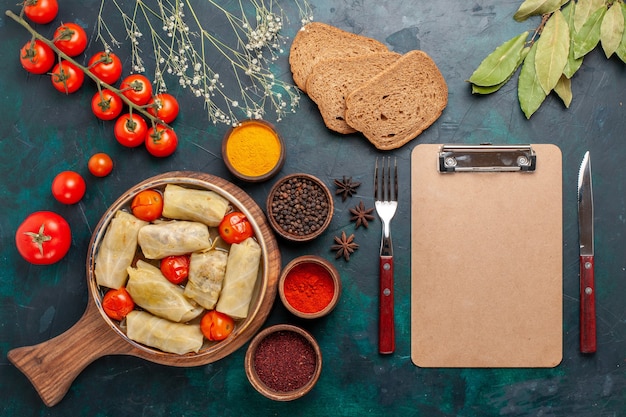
(345, 246)
(346, 187)
(361, 215)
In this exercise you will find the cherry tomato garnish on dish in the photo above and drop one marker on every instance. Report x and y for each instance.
(106, 66)
(117, 303)
(37, 57)
(41, 11)
(100, 164)
(70, 39)
(175, 268)
(106, 105)
(147, 205)
(137, 89)
(235, 228)
(67, 77)
(130, 130)
(164, 106)
(161, 141)
(43, 238)
(68, 187)
(216, 326)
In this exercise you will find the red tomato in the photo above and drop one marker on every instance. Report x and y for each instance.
(70, 39)
(68, 187)
(175, 268)
(235, 228)
(43, 238)
(130, 130)
(163, 106)
(137, 89)
(41, 11)
(147, 205)
(117, 303)
(37, 57)
(100, 164)
(216, 326)
(106, 105)
(161, 141)
(67, 77)
(106, 66)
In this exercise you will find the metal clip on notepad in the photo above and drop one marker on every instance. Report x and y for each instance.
(487, 158)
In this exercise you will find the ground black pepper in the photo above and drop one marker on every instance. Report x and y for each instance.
(285, 361)
(300, 206)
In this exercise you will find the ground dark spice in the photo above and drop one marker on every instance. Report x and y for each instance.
(285, 361)
(309, 288)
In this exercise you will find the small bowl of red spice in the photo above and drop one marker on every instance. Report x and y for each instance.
(309, 287)
(283, 362)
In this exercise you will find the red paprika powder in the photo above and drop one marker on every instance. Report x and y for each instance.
(309, 288)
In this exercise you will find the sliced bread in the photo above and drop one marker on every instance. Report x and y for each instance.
(399, 103)
(318, 41)
(331, 80)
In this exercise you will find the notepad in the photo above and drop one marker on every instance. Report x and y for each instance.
(486, 256)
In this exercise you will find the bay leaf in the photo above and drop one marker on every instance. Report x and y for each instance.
(583, 11)
(589, 34)
(612, 29)
(500, 64)
(621, 49)
(535, 8)
(572, 64)
(529, 91)
(564, 90)
(552, 51)
(477, 89)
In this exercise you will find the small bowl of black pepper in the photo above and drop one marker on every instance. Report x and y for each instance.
(299, 207)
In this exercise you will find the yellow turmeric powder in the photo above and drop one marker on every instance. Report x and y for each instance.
(253, 148)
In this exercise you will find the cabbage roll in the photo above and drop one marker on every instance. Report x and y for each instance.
(117, 250)
(163, 334)
(241, 273)
(151, 291)
(173, 238)
(206, 273)
(202, 206)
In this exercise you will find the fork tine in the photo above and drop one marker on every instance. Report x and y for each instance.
(395, 179)
(376, 181)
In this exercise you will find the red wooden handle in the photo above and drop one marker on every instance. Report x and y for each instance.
(386, 331)
(587, 305)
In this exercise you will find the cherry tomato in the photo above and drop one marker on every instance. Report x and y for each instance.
(41, 11)
(147, 205)
(235, 228)
(43, 238)
(117, 303)
(175, 268)
(106, 105)
(68, 187)
(67, 77)
(100, 164)
(164, 106)
(137, 88)
(70, 39)
(130, 130)
(216, 326)
(106, 66)
(161, 141)
(37, 57)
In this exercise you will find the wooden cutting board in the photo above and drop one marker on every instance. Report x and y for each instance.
(486, 267)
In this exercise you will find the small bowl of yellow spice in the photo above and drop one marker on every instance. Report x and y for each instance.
(253, 151)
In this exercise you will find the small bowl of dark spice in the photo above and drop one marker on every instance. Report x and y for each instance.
(283, 362)
(299, 207)
(309, 287)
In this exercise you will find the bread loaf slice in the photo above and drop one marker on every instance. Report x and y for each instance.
(331, 80)
(399, 103)
(318, 41)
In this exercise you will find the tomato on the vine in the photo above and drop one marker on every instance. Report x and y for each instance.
(117, 303)
(161, 141)
(216, 326)
(41, 11)
(235, 228)
(147, 205)
(106, 66)
(137, 89)
(68, 187)
(43, 238)
(100, 164)
(37, 57)
(106, 105)
(67, 77)
(130, 130)
(70, 38)
(175, 268)
(164, 106)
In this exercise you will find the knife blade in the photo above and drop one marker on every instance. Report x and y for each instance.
(586, 258)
